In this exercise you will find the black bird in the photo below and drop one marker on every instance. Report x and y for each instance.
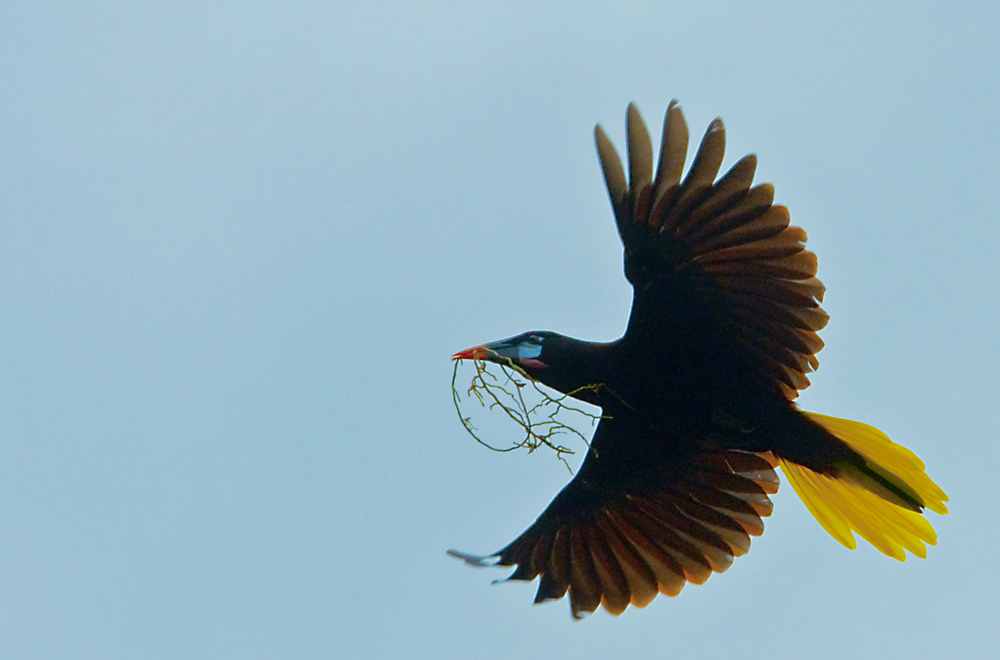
(697, 396)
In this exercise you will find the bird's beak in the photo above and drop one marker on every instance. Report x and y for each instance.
(494, 352)
(474, 353)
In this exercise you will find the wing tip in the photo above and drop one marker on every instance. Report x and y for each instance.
(476, 561)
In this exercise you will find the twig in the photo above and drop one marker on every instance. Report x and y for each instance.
(538, 420)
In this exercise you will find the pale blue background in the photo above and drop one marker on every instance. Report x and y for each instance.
(239, 241)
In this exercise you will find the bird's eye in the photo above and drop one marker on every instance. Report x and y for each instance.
(531, 347)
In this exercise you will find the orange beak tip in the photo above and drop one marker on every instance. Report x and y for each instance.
(474, 353)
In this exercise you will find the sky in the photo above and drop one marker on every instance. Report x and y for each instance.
(240, 241)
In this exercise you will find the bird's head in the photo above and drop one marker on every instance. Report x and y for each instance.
(563, 363)
(531, 351)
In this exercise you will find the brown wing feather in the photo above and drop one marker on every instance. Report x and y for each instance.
(615, 596)
(626, 549)
(673, 150)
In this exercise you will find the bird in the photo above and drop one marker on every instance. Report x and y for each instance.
(698, 396)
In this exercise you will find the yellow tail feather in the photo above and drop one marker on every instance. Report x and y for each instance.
(847, 505)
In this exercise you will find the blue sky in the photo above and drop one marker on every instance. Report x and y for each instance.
(239, 242)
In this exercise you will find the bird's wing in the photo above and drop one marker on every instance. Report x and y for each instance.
(614, 536)
(723, 240)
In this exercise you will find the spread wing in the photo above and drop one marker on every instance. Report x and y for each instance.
(724, 240)
(632, 524)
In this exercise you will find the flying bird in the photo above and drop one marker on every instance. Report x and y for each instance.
(697, 397)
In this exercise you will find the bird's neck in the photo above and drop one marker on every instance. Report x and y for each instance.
(585, 372)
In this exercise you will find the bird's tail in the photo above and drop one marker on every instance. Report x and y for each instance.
(881, 497)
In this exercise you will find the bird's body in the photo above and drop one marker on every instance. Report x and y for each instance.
(697, 395)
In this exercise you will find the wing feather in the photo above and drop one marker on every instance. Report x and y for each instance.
(615, 596)
(615, 549)
(555, 572)
(727, 191)
(641, 580)
(640, 150)
(584, 583)
(673, 151)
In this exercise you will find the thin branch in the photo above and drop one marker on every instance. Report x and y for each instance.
(538, 421)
